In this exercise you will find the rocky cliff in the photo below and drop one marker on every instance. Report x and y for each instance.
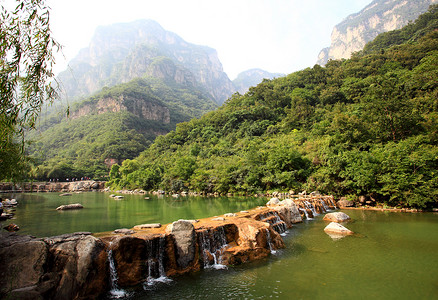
(379, 16)
(121, 52)
(148, 110)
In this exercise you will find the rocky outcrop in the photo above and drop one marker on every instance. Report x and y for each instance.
(71, 266)
(379, 16)
(345, 203)
(76, 186)
(148, 109)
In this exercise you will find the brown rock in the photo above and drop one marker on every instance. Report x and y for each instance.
(345, 203)
(337, 229)
(337, 217)
(22, 263)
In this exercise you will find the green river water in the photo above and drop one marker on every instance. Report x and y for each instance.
(392, 256)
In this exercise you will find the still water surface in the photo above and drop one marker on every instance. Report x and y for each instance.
(36, 213)
(393, 256)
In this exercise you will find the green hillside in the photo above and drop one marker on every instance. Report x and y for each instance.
(364, 126)
(115, 124)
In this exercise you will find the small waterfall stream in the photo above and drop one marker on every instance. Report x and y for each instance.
(324, 205)
(155, 265)
(212, 245)
(115, 292)
(268, 240)
(311, 207)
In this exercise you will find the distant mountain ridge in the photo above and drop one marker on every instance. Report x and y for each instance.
(379, 16)
(252, 77)
(121, 52)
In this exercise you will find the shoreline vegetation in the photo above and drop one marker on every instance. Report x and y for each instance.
(100, 186)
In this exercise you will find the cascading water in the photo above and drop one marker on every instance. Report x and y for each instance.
(311, 207)
(305, 213)
(213, 244)
(274, 219)
(115, 292)
(269, 242)
(326, 208)
(155, 265)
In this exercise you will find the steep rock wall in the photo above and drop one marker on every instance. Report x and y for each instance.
(379, 16)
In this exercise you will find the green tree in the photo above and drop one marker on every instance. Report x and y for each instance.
(26, 61)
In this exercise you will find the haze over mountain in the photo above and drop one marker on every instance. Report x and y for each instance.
(252, 77)
(121, 52)
(379, 16)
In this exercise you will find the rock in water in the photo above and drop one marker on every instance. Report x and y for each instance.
(70, 206)
(184, 233)
(12, 227)
(338, 229)
(337, 217)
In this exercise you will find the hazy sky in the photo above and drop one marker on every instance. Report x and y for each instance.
(275, 35)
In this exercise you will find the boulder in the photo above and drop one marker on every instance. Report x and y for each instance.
(23, 262)
(336, 228)
(343, 202)
(183, 233)
(71, 266)
(337, 217)
(70, 206)
(295, 216)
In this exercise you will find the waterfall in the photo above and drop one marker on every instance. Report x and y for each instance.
(212, 244)
(115, 292)
(268, 241)
(305, 213)
(326, 208)
(275, 221)
(311, 207)
(155, 264)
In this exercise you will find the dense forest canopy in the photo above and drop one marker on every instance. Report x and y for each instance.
(110, 126)
(364, 126)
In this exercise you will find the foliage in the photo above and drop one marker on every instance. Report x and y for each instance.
(26, 60)
(91, 138)
(363, 126)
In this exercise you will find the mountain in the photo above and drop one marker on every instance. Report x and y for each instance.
(379, 16)
(113, 125)
(364, 128)
(121, 52)
(252, 77)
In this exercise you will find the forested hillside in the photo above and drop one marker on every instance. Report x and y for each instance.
(364, 126)
(115, 124)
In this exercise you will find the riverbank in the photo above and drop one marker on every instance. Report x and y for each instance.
(43, 187)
